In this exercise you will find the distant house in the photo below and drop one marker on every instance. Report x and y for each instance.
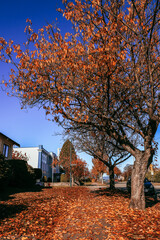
(6, 146)
(41, 158)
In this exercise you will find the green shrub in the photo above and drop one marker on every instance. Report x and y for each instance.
(149, 176)
(5, 172)
(49, 179)
(86, 180)
(38, 173)
(1, 156)
(44, 179)
(22, 173)
(157, 176)
(64, 178)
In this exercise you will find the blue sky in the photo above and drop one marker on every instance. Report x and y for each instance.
(30, 127)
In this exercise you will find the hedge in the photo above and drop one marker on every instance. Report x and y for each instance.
(22, 173)
(5, 172)
(17, 173)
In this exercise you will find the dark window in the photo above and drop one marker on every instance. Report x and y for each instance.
(5, 150)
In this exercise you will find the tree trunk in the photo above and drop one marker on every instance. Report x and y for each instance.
(137, 180)
(102, 177)
(72, 181)
(111, 177)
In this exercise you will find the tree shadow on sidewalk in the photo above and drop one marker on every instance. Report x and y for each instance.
(150, 202)
(8, 192)
(111, 192)
(10, 210)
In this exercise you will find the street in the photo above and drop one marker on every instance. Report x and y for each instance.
(122, 186)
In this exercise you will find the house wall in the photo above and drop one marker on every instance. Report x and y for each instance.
(4, 140)
(39, 158)
(46, 165)
(32, 154)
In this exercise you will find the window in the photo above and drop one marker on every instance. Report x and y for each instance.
(44, 158)
(5, 150)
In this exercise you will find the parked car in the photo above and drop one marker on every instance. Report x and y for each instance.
(149, 189)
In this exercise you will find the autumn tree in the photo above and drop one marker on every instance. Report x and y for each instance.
(80, 170)
(105, 75)
(101, 147)
(19, 155)
(98, 169)
(74, 167)
(127, 171)
(117, 171)
(67, 157)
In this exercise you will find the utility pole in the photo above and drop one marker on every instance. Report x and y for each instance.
(52, 169)
(70, 165)
(58, 152)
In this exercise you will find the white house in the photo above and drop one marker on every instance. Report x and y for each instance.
(41, 158)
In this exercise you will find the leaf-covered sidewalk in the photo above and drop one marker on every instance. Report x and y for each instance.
(76, 213)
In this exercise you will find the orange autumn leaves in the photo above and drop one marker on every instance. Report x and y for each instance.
(19, 156)
(49, 72)
(60, 68)
(104, 76)
(98, 168)
(75, 213)
(71, 163)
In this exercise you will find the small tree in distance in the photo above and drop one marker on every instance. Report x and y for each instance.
(80, 170)
(101, 147)
(127, 171)
(117, 171)
(67, 156)
(74, 167)
(98, 169)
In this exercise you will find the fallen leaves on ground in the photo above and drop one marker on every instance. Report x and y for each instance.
(76, 213)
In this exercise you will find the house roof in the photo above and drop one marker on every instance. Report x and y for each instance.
(14, 143)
